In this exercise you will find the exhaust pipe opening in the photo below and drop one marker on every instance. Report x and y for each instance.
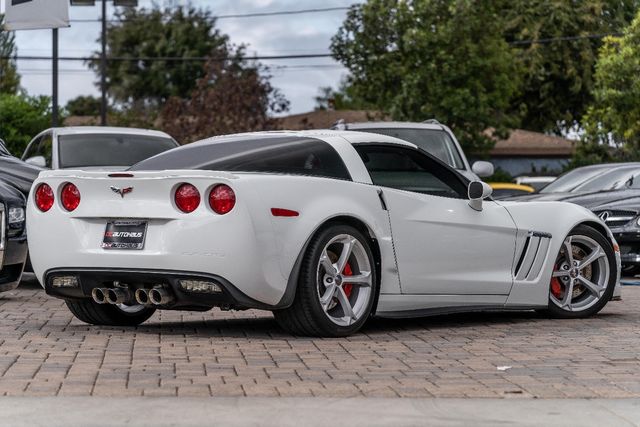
(99, 296)
(160, 296)
(142, 297)
(117, 296)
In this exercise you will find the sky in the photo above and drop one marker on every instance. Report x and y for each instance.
(298, 79)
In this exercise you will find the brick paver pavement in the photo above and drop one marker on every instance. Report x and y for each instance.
(44, 351)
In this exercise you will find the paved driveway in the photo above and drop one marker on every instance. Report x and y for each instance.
(46, 352)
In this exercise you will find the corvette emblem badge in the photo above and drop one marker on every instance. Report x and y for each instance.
(122, 191)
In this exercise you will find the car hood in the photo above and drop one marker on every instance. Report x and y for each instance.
(18, 173)
(9, 194)
(631, 203)
(588, 200)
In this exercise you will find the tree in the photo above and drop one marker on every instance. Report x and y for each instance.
(559, 73)
(233, 96)
(83, 106)
(21, 118)
(443, 59)
(148, 33)
(9, 77)
(612, 123)
(341, 99)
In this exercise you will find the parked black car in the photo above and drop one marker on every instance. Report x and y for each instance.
(13, 236)
(16, 172)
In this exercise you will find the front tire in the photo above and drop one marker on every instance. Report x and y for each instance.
(584, 275)
(93, 313)
(336, 288)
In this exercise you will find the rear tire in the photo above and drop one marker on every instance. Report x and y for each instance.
(90, 312)
(337, 286)
(582, 283)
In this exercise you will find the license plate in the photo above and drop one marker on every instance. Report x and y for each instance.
(125, 235)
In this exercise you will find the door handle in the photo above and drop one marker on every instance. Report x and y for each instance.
(383, 202)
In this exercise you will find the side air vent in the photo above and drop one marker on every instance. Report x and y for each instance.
(533, 254)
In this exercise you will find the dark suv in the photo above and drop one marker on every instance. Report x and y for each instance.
(13, 236)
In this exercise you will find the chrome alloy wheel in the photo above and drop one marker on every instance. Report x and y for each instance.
(131, 309)
(344, 280)
(581, 274)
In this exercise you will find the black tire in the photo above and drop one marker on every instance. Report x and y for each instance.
(305, 317)
(90, 312)
(557, 312)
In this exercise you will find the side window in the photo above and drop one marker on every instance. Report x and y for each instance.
(311, 157)
(32, 149)
(410, 170)
(46, 148)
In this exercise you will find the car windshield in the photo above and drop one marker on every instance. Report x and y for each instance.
(611, 180)
(89, 150)
(435, 142)
(572, 179)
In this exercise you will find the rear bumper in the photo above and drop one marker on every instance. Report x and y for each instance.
(629, 247)
(230, 297)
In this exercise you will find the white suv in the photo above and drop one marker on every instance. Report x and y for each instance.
(432, 137)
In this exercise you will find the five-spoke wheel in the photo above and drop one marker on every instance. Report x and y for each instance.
(584, 274)
(337, 285)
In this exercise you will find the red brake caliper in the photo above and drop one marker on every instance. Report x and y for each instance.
(348, 287)
(556, 286)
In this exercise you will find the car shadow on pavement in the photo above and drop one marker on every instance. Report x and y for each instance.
(266, 326)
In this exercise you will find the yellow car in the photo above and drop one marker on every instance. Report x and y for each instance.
(508, 189)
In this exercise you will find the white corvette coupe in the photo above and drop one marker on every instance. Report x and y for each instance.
(324, 229)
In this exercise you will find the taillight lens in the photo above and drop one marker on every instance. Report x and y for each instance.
(44, 197)
(70, 197)
(187, 198)
(222, 199)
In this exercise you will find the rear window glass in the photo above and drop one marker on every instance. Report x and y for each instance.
(88, 150)
(284, 155)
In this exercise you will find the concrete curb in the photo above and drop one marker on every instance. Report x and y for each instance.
(157, 412)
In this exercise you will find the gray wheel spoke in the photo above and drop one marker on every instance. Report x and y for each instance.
(326, 299)
(561, 273)
(347, 248)
(568, 295)
(592, 287)
(346, 305)
(325, 261)
(568, 250)
(362, 279)
(597, 253)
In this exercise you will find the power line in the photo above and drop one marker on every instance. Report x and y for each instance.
(248, 15)
(167, 58)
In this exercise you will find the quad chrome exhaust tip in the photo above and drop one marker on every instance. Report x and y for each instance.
(160, 296)
(99, 295)
(155, 296)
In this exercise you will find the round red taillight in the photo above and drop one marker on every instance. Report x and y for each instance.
(222, 199)
(44, 197)
(187, 198)
(70, 197)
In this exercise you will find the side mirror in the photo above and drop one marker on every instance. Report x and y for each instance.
(483, 169)
(478, 191)
(37, 161)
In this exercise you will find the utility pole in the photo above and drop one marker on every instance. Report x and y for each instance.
(54, 83)
(103, 66)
